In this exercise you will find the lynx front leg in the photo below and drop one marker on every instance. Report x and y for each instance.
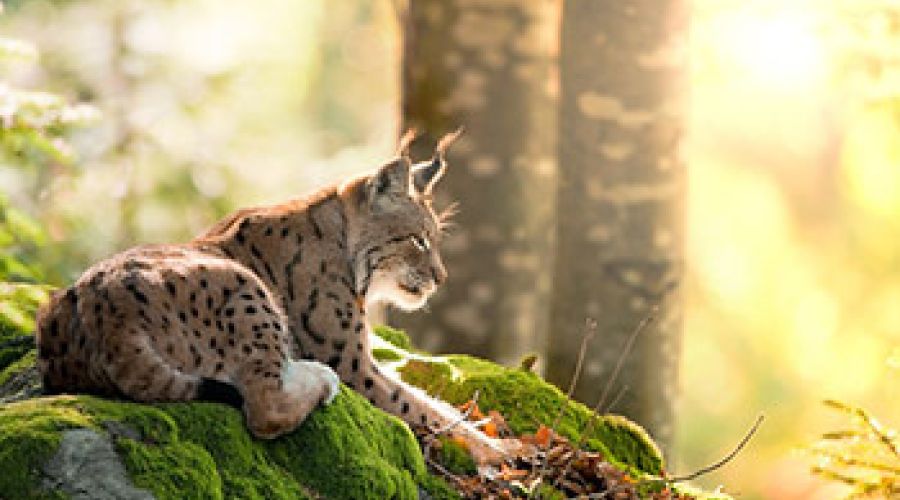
(277, 403)
(417, 408)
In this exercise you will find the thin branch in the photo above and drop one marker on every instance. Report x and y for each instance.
(595, 413)
(727, 458)
(591, 330)
(629, 345)
(612, 404)
(687, 477)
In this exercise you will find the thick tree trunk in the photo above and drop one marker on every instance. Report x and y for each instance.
(621, 202)
(489, 67)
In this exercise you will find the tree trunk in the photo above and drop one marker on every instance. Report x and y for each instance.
(489, 67)
(621, 202)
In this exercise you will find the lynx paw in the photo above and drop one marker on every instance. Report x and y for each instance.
(311, 379)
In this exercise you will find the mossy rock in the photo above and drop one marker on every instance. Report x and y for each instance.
(346, 450)
(397, 338)
(526, 401)
(202, 450)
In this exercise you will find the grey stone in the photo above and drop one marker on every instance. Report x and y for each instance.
(86, 467)
(22, 385)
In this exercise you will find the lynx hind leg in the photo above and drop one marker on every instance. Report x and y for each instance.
(275, 405)
(138, 372)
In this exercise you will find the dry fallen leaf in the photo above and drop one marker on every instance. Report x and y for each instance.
(542, 436)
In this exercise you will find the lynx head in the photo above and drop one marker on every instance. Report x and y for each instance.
(394, 233)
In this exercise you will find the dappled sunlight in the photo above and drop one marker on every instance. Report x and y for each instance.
(870, 162)
(795, 208)
(773, 46)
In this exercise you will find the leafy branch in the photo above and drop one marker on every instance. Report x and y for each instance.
(865, 456)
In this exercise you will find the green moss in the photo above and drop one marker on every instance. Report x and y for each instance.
(546, 492)
(397, 338)
(29, 436)
(385, 355)
(526, 401)
(346, 450)
(202, 450)
(455, 457)
(351, 451)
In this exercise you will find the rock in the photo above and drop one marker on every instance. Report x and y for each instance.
(86, 467)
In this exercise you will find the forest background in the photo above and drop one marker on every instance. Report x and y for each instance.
(792, 276)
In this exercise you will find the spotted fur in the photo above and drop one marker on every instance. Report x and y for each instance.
(269, 304)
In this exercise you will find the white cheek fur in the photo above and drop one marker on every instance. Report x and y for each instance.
(385, 289)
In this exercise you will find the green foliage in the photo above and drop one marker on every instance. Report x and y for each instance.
(18, 303)
(20, 237)
(32, 136)
(34, 122)
(865, 455)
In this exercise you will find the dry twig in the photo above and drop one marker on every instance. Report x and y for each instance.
(668, 481)
(591, 326)
(727, 458)
(595, 414)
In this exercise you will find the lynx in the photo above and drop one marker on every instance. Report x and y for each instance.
(266, 311)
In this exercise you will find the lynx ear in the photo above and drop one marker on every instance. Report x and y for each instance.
(405, 141)
(427, 174)
(390, 182)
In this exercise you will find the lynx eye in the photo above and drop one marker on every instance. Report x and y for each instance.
(420, 243)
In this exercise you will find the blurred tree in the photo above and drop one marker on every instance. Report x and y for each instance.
(621, 202)
(489, 67)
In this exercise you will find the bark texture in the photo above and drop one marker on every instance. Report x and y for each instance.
(488, 66)
(621, 202)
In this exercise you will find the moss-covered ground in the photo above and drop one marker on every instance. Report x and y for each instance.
(202, 450)
(346, 450)
(527, 402)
